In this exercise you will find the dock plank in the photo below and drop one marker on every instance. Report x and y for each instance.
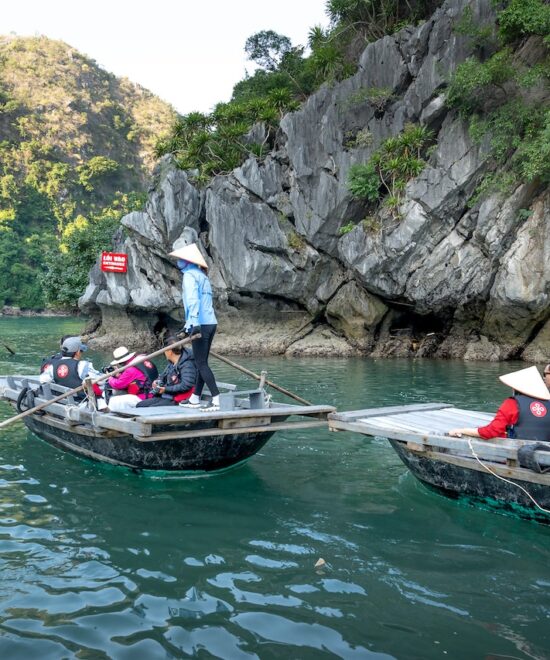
(352, 415)
(199, 433)
(436, 422)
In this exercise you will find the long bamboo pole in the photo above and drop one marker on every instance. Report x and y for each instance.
(253, 375)
(75, 390)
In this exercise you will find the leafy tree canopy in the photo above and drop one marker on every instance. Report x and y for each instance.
(267, 49)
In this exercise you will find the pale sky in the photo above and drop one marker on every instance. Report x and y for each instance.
(190, 53)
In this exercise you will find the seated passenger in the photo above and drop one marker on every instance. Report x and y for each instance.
(134, 383)
(69, 369)
(524, 415)
(47, 360)
(176, 383)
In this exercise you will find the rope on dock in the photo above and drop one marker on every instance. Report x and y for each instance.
(486, 467)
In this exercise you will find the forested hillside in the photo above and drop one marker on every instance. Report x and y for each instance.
(76, 150)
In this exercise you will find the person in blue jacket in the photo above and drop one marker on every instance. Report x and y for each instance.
(199, 318)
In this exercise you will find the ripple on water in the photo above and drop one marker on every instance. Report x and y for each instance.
(96, 562)
(216, 640)
(264, 562)
(275, 628)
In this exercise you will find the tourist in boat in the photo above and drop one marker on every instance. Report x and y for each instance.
(46, 361)
(199, 318)
(524, 415)
(69, 369)
(132, 385)
(176, 382)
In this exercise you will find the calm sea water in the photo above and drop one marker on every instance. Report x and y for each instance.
(97, 562)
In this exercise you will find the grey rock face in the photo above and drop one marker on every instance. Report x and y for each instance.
(356, 313)
(447, 278)
(173, 203)
(520, 296)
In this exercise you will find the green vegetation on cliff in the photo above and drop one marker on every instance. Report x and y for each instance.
(76, 149)
(218, 142)
(387, 172)
(504, 92)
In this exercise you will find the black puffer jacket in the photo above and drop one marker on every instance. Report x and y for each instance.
(179, 377)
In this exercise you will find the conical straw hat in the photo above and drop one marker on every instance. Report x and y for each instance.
(527, 381)
(190, 253)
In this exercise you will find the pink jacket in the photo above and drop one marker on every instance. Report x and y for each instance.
(128, 376)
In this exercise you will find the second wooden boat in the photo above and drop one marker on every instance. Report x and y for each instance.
(486, 473)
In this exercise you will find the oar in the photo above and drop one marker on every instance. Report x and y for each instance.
(253, 375)
(8, 348)
(45, 404)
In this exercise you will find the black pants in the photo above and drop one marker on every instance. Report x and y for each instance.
(155, 401)
(201, 349)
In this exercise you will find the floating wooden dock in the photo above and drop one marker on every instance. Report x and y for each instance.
(418, 434)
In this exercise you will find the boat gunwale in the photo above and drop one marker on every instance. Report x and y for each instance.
(141, 426)
(507, 471)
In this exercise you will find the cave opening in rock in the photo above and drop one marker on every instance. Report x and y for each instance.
(407, 322)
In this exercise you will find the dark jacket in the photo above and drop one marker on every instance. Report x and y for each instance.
(534, 419)
(180, 377)
(65, 372)
(48, 360)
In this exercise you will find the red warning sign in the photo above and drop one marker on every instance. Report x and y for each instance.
(114, 262)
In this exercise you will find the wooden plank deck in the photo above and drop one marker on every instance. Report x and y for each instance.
(353, 415)
(425, 427)
(140, 422)
(174, 414)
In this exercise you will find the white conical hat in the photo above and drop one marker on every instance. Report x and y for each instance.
(190, 253)
(527, 381)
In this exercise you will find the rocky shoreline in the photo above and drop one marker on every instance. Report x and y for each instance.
(240, 334)
(8, 310)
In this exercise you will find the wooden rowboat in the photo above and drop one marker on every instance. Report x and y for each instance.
(167, 438)
(493, 480)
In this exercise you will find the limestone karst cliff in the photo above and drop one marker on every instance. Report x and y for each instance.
(449, 278)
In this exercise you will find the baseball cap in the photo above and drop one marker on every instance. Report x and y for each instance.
(72, 345)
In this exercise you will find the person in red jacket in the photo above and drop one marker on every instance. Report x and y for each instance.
(524, 415)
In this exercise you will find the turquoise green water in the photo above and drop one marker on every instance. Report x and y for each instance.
(97, 562)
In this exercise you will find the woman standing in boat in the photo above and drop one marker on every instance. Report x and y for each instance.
(524, 415)
(199, 318)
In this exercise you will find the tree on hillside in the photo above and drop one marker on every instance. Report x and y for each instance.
(267, 49)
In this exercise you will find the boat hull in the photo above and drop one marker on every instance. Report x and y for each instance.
(200, 454)
(475, 485)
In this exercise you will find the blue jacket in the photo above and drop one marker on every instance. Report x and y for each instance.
(196, 295)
